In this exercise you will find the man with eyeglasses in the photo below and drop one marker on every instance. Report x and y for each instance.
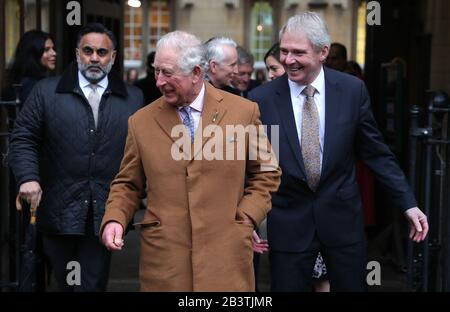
(222, 58)
(196, 234)
(66, 148)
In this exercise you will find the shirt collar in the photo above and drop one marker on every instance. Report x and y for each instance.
(318, 84)
(85, 83)
(197, 104)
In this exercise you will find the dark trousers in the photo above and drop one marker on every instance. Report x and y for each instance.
(93, 257)
(256, 269)
(346, 268)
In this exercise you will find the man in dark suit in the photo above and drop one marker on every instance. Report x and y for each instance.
(325, 123)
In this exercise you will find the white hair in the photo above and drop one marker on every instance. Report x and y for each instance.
(189, 48)
(214, 48)
(312, 25)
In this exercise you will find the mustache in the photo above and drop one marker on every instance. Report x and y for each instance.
(95, 67)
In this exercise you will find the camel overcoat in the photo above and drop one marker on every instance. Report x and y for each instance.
(192, 236)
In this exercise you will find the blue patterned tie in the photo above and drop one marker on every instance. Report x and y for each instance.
(188, 121)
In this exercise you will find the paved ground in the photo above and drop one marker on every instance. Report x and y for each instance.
(124, 269)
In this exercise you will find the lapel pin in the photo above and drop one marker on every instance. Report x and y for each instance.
(215, 116)
(232, 139)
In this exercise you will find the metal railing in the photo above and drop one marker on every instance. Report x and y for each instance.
(10, 221)
(429, 173)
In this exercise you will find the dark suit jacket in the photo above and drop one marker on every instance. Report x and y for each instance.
(334, 211)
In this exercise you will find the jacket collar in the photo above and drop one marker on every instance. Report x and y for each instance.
(69, 82)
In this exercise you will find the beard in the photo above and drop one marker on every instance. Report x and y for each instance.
(94, 73)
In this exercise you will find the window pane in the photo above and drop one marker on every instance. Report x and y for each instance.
(158, 21)
(30, 14)
(45, 16)
(261, 30)
(12, 31)
(132, 36)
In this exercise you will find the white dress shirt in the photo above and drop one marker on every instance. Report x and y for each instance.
(298, 99)
(84, 85)
(196, 107)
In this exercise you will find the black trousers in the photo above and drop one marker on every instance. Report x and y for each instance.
(346, 268)
(94, 260)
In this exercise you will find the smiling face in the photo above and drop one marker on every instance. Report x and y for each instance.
(241, 81)
(301, 62)
(222, 73)
(95, 56)
(48, 58)
(178, 88)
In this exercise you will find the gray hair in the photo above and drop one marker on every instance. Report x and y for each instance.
(189, 48)
(244, 57)
(214, 48)
(312, 25)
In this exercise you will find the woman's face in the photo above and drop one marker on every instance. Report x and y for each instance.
(274, 68)
(48, 58)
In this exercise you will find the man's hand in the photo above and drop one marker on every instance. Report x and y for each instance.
(418, 224)
(31, 192)
(113, 236)
(259, 245)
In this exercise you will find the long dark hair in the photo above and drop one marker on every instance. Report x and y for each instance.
(27, 57)
(273, 51)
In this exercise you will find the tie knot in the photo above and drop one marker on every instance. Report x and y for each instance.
(93, 87)
(186, 110)
(309, 91)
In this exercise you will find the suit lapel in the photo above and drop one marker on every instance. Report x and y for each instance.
(212, 115)
(332, 99)
(284, 105)
(167, 119)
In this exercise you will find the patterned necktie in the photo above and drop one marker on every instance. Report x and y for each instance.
(310, 138)
(94, 101)
(188, 121)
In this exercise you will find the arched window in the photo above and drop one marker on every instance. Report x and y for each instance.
(261, 30)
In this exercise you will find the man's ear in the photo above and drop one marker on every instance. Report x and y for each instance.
(197, 74)
(212, 66)
(324, 53)
(77, 53)
(113, 56)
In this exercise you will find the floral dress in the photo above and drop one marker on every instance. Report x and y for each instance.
(320, 270)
